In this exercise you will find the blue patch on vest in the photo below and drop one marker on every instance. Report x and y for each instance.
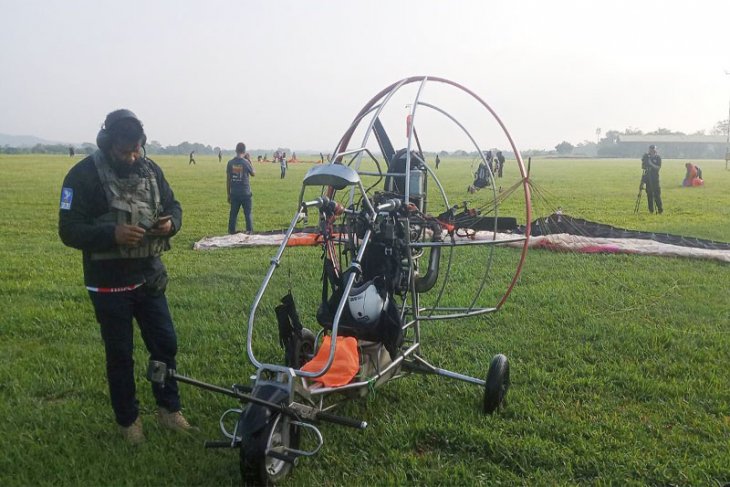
(67, 196)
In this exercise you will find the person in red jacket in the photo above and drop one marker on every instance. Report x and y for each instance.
(693, 176)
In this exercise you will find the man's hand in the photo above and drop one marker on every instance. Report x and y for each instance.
(161, 228)
(128, 235)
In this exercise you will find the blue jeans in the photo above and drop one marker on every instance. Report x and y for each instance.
(238, 201)
(114, 312)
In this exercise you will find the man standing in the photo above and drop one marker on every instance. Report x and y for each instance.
(118, 209)
(651, 163)
(238, 188)
(500, 163)
(490, 160)
(192, 159)
(220, 155)
(282, 165)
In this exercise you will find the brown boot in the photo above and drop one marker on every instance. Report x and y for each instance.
(133, 433)
(174, 421)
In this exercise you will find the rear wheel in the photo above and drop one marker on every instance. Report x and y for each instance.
(258, 468)
(497, 383)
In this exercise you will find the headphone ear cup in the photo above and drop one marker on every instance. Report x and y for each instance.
(144, 139)
(103, 140)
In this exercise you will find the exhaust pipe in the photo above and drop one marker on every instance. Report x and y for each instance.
(426, 282)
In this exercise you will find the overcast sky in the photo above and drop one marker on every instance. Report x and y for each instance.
(294, 73)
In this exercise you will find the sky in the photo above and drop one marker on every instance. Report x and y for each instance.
(294, 73)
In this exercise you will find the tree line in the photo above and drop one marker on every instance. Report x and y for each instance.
(152, 147)
(607, 146)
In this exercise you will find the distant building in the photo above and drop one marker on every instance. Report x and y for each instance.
(674, 146)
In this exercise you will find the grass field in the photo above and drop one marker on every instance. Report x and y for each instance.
(619, 363)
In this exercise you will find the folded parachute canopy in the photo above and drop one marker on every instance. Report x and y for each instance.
(558, 223)
(556, 232)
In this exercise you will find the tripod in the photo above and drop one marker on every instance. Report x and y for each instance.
(641, 188)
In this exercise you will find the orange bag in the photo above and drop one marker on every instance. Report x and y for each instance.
(303, 239)
(345, 365)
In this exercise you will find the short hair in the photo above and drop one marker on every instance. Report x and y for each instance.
(240, 148)
(126, 131)
(652, 147)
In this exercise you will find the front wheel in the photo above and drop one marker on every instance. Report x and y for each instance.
(497, 383)
(258, 468)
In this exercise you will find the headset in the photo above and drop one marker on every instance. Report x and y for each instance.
(104, 137)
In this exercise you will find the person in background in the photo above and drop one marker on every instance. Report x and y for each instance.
(651, 163)
(192, 159)
(238, 188)
(438, 161)
(119, 210)
(481, 178)
(693, 176)
(490, 160)
(500, 163)
(283, 165)
(220, 155)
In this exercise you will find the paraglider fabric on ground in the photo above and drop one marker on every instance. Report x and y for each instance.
(555, 232)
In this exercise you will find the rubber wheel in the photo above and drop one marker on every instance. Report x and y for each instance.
(259, 469)
(497, 383)
(306, 347)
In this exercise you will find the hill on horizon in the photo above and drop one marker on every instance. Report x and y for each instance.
(27, 141)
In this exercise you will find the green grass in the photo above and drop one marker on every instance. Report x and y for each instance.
(619, 363)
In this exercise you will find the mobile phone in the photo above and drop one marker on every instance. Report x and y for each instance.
(162, 220)
(146, 224)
